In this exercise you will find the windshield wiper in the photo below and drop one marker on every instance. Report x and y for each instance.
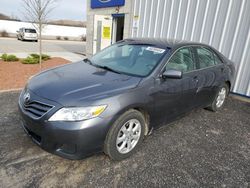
(88, 61)
(99, 66)
(108, 68)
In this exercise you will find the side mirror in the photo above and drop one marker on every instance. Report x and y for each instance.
(175, 74)
(17, 31)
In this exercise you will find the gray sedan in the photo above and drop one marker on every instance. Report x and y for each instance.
(111, 101)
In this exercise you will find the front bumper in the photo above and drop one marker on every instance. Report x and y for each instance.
(72, 140)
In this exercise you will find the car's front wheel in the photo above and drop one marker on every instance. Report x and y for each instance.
(219, 99)
(125, 136)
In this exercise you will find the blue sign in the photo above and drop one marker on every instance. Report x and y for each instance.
(106, 3)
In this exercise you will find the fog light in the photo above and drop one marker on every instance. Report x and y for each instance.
(67, 148)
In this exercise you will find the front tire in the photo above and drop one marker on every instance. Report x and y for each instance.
(219, 99)
(125, 135)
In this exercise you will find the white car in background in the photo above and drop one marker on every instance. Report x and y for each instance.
(27, 34)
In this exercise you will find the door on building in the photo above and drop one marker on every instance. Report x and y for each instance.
(118, 27)
(108, 29)
(102, 32)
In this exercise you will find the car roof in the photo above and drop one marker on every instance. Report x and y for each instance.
(27, 28)
(162, 42)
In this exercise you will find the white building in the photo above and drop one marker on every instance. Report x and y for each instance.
(49, 31)
(223, 24)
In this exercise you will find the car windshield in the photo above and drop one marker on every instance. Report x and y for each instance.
(30, 31)
(131, 59)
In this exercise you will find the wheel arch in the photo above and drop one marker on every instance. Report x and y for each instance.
(147, 118)
(140, 109)
(229, 85)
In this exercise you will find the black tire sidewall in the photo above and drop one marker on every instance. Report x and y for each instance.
(110, 142)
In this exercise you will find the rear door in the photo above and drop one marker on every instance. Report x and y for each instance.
(176, 96)
(210, 75)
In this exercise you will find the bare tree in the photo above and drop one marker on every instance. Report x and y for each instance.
(37, 12)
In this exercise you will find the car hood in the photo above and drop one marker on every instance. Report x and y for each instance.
(75, 82)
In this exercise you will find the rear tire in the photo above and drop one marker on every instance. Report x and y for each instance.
(125, 135)
(219, 99)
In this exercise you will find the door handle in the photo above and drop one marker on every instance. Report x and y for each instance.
(195, 78)
(198, 89)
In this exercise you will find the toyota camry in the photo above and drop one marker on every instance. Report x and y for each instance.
(111, 101)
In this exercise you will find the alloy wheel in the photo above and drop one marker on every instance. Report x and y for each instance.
(221, 97)
(128, 136)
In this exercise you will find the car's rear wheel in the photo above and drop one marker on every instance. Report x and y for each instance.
(219, 99)
(125, 135)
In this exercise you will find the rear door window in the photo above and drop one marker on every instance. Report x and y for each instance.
(217, 59)
(205, 57)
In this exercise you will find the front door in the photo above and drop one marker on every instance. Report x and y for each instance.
(174, 97)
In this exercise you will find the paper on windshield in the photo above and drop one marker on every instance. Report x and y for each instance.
(156, 50)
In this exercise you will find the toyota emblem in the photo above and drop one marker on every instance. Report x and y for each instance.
(26, 98)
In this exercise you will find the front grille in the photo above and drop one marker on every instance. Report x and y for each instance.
(36, 109)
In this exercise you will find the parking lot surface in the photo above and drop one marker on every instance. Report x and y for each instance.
(202, 149)
(12, 45)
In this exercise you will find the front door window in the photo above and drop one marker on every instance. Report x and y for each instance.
(182, 60)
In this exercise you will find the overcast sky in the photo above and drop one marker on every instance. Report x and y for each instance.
(65, 9)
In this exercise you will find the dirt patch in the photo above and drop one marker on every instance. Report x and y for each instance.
(15, 74)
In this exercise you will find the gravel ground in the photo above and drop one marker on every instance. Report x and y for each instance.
(203, 149)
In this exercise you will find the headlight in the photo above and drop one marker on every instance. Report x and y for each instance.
(77, 113)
